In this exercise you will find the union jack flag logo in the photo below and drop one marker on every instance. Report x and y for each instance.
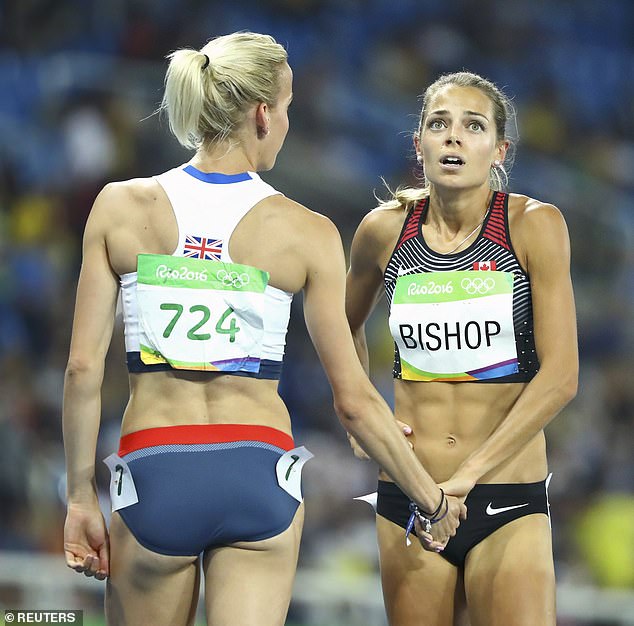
(202, 248)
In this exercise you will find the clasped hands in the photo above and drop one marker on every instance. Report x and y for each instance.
(455, 491)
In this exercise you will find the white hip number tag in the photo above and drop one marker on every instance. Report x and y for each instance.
(289, 471)
(122, 490)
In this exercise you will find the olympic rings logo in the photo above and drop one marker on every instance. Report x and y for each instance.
(477, 285)
(233, 279)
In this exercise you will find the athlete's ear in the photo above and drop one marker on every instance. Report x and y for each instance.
(262, 119)
(501, 150)
(417, 147)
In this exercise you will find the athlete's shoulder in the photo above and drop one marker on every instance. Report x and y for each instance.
(535, 224)
(385, 213)
(525, 207)
(383, 220)
(382, 224)
(139, 191)
(122, 202)
(295, 214)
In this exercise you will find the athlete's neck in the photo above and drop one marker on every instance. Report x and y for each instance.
(457, 210)
(226, 158)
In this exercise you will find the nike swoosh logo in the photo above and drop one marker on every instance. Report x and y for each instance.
(401, 271)
(494, 511)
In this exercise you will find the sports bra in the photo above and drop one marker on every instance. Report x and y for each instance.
(465, 316)
(208, 207)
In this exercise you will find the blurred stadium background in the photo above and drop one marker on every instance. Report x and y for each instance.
(79, 80)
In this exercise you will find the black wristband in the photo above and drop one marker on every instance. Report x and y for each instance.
(435, 520)
(442, 499)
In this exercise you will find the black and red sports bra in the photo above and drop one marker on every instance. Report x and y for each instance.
(461, 317)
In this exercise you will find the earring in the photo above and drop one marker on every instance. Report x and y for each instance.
(497, 163)
(419, 159)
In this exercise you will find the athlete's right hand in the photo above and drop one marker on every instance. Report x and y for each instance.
(86, 546)
(360, 453)
(443, 530)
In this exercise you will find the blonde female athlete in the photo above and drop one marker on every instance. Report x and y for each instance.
(483, 320)
(207, 257)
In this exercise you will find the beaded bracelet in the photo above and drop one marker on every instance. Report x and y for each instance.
(416, 514)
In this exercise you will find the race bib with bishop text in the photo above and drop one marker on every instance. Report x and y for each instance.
(454, 326)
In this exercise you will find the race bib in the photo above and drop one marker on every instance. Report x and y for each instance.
(197, 314)
(454, 326)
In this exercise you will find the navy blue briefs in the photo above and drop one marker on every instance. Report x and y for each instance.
(204, 486)
(489, 507)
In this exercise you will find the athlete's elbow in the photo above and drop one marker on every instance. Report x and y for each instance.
(569, 388)
(352, 409)
(80, 368)
(346, 412)
(564, 387)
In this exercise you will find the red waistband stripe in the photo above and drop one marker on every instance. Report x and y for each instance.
(203, 433)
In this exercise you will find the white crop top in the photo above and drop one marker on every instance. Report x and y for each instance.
(208, 207)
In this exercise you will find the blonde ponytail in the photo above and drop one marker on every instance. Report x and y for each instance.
(208, 92)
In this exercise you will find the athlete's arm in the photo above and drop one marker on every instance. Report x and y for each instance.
(85, 535)
(364, 282)
(360, 408)
(364, 288)
(541, 238)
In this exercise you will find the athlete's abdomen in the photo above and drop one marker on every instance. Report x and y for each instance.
(450, 421)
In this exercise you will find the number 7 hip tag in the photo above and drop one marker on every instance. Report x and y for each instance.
(122, 490)
(289, 471)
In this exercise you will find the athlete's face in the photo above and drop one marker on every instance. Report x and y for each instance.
(458, 140)
(278, 119)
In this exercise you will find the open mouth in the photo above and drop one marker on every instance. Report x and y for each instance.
(452, 161)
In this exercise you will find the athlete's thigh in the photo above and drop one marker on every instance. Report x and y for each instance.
(510, 576)
(419, 587)
(252, 582)
(145, 587)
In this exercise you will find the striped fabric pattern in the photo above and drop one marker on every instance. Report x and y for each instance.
(200, 447)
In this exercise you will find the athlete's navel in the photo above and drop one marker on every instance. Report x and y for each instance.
(451, 441)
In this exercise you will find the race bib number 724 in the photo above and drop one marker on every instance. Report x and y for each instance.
(199, 314)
